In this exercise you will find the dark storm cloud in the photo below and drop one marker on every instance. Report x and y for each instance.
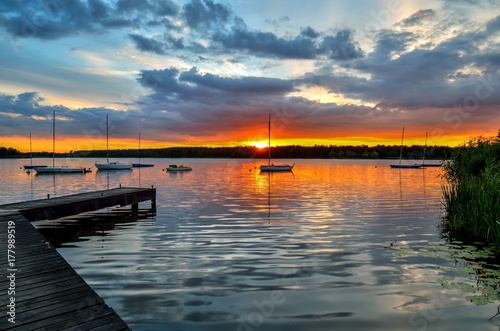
(199, 13)
(407, 84)
(60, 18)
(438, 77)
(405, 80)
(147, 44)
(267, 44)
(158, 7)
(246, 85)
(27, 112)
(46, 20)
(215, 22)
(310, 32)
(193, 85)
(23, 104)
(217, 103)
(391, 41)
(98, 9)
(493, 25)
(339, 47)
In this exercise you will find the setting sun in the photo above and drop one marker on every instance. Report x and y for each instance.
(259, 144)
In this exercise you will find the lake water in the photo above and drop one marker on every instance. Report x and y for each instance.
(335, 245)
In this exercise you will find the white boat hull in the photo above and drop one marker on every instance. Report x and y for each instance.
(280, 167)
(60, 170)
(113, 166)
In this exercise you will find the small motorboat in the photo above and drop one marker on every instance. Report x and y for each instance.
(176, 168)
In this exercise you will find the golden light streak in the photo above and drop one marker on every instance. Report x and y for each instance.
(11, 115)
(323, 95)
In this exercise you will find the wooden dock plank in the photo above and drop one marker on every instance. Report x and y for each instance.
(49, 293)
(74, 204)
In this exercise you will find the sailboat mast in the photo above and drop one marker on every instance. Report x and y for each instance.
(139, 147)
(31, 153)
(401, 148)
(269, 141)
(107, 146)
(53, 137)
(425, 147)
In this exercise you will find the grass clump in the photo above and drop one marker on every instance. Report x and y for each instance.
(472, 192)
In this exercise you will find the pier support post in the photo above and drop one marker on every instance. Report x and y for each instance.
(135, 207)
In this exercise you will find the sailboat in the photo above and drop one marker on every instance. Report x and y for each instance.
(141, 165)
(31, 166)
(404, 166)
(60, 169)
(269, 166)
(111, 165)
(423, 157)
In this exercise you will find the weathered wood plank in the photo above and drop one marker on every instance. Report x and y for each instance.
(49, 293)
(79, 203)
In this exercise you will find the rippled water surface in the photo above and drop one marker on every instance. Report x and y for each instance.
(335, 245)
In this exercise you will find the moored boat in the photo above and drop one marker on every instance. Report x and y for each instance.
(427, 165)
(141, 165)
(404, 166)
(59, 169)
(176, 168)
(270, 166)
(111, 165)
(276, 167)
(31, 165)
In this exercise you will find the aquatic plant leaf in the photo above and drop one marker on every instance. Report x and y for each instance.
(478, 300)
(467, 264)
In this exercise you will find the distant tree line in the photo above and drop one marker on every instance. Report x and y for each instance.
(9, 152)
(279, 152)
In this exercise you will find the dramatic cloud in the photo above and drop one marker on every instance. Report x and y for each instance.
(58, 19)
(210, 72)
(147, 44)
(418, 17)
(200, 14)
(267, 44)
(338, 47)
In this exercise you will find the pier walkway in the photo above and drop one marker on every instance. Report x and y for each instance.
(40, 290)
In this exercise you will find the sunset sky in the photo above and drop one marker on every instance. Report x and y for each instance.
(208, 73)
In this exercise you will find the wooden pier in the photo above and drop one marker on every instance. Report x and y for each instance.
(40, 290)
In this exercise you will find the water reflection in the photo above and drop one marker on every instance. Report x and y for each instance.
(74, 229)
(113, 178)
(233, 249)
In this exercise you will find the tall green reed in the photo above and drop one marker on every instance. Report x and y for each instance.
(472, 193)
